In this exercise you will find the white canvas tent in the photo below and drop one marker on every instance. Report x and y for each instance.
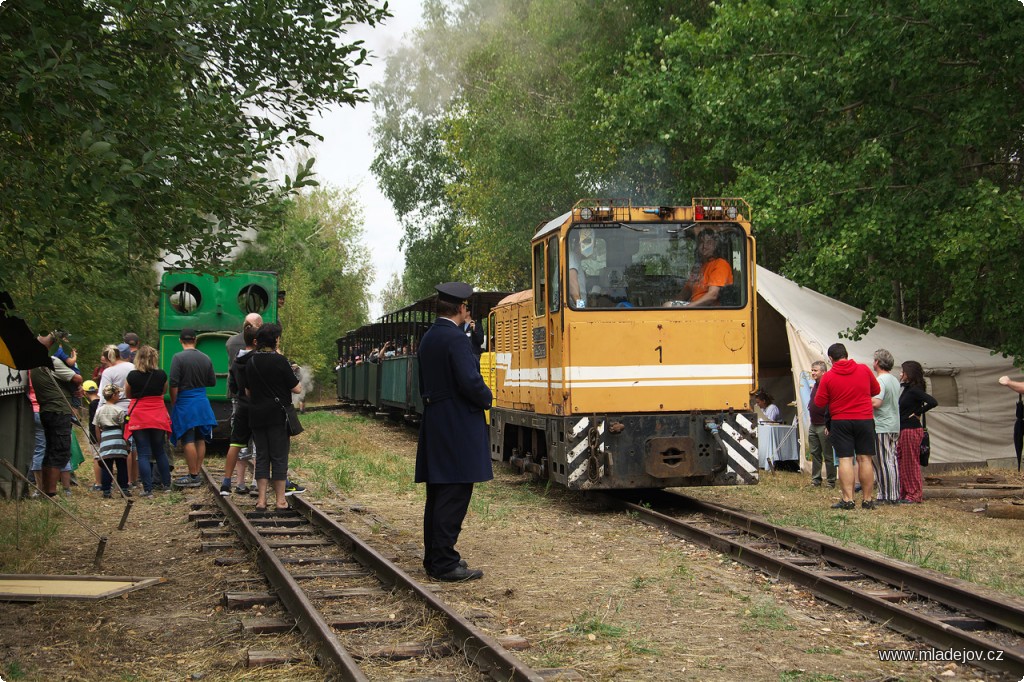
(974, 420)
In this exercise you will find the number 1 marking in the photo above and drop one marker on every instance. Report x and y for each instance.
(659, 354)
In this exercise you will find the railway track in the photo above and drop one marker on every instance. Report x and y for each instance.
(921, 604)
(355, 608)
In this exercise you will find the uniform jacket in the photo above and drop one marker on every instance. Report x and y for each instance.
(454, 445)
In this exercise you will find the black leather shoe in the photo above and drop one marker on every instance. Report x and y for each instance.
(462, 562)
(459, 574)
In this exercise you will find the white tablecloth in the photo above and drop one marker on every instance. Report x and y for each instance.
(778, 443)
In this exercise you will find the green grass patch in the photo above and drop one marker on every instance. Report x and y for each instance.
(26, 527)
(641, 647)
(590, 623)
(14, 671)
(639, 582)
(804, 676)
(834, 650)
(765, 615)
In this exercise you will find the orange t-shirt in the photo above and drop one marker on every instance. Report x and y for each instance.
(715, 273)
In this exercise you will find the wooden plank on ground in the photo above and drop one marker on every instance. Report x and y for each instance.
(30, 588)
(346, 573)
(284, 531)
(268, 625)
(436, 649)
(894, 596)
(840, 575)
(279, 523)
(255, 658)
(318, 542)
(245, 600)
(971, 493)
(560, 674)
(1001, 510)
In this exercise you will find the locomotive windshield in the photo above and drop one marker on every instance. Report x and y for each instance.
(656, 265)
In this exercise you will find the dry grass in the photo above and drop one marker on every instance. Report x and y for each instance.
(590, 589)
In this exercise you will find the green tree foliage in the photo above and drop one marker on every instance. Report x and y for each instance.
(485, 129)
(880, 145)
(394, 295)
(413, 163)
(324, 267)
(137, 130)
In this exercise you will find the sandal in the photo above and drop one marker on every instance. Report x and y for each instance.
(261, 508)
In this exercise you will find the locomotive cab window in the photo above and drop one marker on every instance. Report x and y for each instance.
(253, 299)
(185, 298)
(538, 279)
(552, 278)
(656, 265)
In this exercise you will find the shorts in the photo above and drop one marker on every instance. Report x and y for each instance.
(193, 435)
(58, 439)
(241, 431)
(853, 437)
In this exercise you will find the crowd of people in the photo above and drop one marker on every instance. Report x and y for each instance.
(129, 426)
(866, 428)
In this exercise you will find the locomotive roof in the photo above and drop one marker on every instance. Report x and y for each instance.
(518, 297)
(552, 225)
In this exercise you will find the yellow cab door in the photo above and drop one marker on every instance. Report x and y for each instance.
(556, 396)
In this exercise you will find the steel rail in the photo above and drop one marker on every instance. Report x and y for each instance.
(1003, 613)
(480, 649)
(310, 621)
(900, 619)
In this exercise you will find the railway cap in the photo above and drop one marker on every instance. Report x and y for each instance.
(454, 292)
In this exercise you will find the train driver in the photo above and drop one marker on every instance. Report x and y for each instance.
(582, 247)
(710, 273)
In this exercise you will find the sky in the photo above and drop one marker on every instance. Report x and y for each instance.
(344, 157)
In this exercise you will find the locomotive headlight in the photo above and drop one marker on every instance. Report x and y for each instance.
(586, 213)
(731, 212)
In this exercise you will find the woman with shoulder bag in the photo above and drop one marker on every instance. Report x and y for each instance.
(269, 382)
(914, 402)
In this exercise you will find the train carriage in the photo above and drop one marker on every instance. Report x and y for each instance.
(215, 306)
(390, 384)
(618, 369)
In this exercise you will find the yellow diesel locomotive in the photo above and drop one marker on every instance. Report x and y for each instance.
(632, 360)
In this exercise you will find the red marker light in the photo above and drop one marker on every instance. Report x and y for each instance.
(698, 213)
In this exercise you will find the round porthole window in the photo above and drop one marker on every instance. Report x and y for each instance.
(253, 299)
(185, 298)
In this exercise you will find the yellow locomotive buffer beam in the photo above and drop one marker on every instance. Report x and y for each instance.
(631, 361)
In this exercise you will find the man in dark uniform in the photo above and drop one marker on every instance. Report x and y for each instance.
(453, 451)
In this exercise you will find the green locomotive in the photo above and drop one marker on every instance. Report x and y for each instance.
(215, 306)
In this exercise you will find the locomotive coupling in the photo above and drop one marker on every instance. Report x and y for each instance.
(711, 426)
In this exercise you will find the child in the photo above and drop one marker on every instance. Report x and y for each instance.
(109, 426)
(92, 394)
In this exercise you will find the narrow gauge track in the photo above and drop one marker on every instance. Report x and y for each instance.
(904, 598)
(261, 533)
